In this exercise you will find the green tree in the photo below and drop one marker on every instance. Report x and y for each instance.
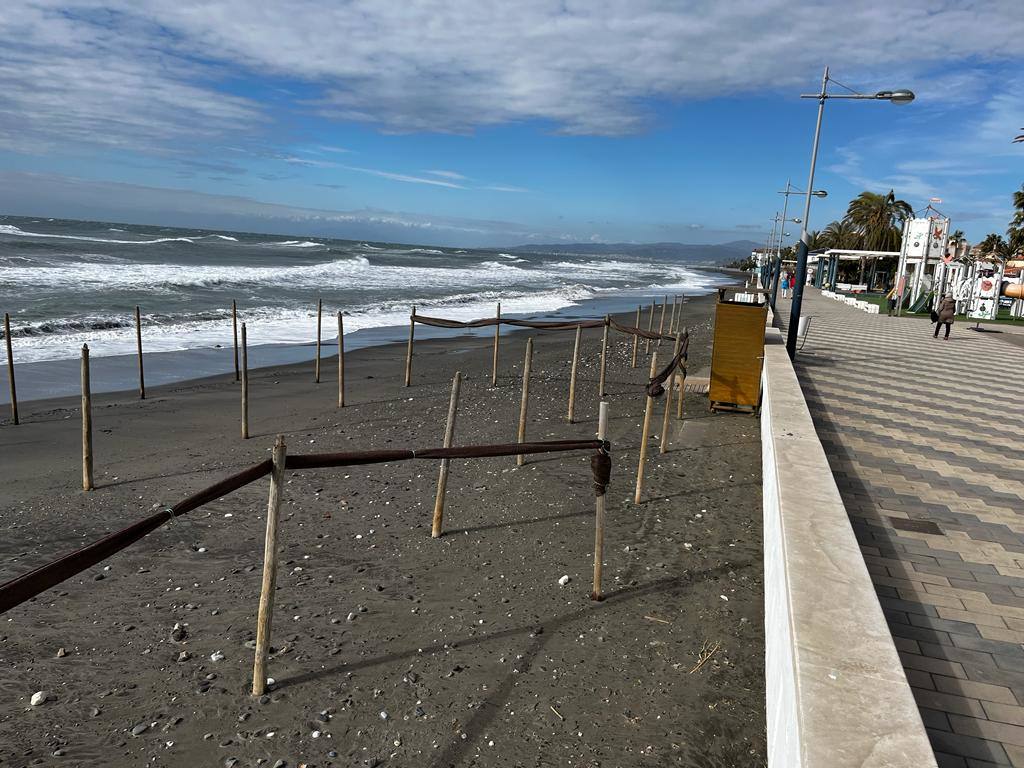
(1015, 232)
(879, 220)
(994, 248)
(842, 234)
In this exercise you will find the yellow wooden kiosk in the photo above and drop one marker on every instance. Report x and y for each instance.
(737, 353)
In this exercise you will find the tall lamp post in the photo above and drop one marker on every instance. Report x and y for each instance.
(790, 190)
(901, 96)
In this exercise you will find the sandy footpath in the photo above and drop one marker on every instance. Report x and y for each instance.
(391, 648)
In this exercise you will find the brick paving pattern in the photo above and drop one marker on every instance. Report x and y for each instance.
(926, 442)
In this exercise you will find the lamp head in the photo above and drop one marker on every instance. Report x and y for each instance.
(900, 96)
(820, 193)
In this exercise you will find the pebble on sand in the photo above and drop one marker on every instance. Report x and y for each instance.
(39, 697)
(563, 581)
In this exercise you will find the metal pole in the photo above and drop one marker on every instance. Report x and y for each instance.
(778, 256)
(803, 246)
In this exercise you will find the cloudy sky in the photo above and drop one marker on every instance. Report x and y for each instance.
(496, 122)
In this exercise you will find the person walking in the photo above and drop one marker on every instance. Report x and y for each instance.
(946, 312)
(786, 284)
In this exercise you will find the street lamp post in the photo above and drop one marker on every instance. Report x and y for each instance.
(790, 190)
(771, 243)
(901, 96)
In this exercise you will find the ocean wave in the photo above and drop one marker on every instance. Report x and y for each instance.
(10, 229)
(99, 277)
(299, 244)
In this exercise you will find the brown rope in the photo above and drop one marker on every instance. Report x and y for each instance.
(353, 458)
(549, 325)
(654, 387)
(601, 466)
(28, 585)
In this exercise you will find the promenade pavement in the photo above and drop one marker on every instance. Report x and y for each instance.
(926, 441)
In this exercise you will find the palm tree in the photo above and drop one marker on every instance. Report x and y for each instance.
(879, 220)
(815, 240)
(1015, 232)
(994, 248)
(842, 234)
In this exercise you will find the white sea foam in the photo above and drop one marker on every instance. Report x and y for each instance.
(298, 244)
(10, 229)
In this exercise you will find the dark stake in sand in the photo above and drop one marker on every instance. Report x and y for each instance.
(391, 648)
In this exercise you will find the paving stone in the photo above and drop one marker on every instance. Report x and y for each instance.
(934, 487)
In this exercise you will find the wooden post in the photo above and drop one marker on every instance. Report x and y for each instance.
(265, 618)
(661, 324)
(10, 367)
(672, 320)
(604, 357)
(572, 374)
(138, 343)
(636, 338)
(87, 477)
(408, 352)
(245, 385)
(442, 478)
(319, 314)
(494, 362)
(234, 325)
(643, 435)
(681, 377)
(602, 431)
(668, 403)
(341, 362)
(527, 364)
(650, 329)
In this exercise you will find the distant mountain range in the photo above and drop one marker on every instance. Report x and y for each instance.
(720, 253)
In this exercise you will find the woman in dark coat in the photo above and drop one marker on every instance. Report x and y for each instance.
(946, 312)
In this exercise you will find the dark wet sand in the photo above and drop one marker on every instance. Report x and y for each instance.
(467, 643)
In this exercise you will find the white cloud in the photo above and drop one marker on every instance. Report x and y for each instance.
(448, 175)
(152, 74)
(404, 177)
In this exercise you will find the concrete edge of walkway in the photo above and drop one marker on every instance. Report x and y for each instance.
(836, 692)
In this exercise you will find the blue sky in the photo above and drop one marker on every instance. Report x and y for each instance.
(474, 122)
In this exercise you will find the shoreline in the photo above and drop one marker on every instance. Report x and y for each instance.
(50, 379)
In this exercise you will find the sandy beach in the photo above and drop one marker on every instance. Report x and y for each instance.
(390, 648)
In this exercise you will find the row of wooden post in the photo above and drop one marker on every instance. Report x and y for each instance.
(243, 373)
(341, 353)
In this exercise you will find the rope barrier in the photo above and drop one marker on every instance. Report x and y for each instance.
(655, 388)
(28, 585)
(549, 325)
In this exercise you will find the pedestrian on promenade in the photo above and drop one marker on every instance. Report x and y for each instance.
(787, 283)
(892, 299)
(946, 313)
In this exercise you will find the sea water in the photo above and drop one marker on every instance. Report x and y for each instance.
(66, 283)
